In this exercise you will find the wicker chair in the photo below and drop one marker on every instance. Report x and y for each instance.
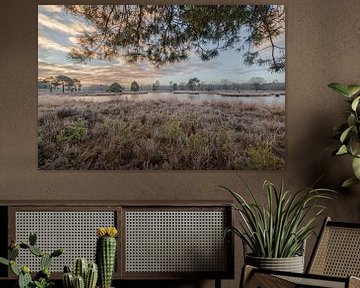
(334, 263)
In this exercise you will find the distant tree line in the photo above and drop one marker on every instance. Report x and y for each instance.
(62, 81)
(193, 84)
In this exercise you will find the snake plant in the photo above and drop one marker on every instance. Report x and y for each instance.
(348, 133)
(279, 228)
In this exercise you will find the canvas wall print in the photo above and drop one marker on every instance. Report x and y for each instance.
(161, 87)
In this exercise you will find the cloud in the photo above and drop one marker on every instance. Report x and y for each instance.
(48, 44)
(73, 40)
(50, 8)
(74, 28)
(103, 72)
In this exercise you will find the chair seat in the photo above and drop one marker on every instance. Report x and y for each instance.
(268, 279)
(315, 282)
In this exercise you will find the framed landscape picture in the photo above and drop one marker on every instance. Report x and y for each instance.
(161, 87)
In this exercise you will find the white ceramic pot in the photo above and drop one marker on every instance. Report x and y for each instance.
(291, 264)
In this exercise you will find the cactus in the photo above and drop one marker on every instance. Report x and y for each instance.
(105, 254)
(89, 272)
(57, 252)
(24, 246)
(67, 269)
(44, 273)
(79, 282)
(24, 278)
(13, 253)
(80, 267)
(45, 261)
(32, 239)
(36, 251)
(68, 280)
(91, 276)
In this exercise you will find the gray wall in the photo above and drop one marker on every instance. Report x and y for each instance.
(322, 42)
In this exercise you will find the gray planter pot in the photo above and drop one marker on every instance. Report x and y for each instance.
(291, 264)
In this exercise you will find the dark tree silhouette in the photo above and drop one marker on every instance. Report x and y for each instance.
(257, 82)
(65, 81)
(134, 86)
(77, 84)
(168, 33)
(193, 83)
(115, 88)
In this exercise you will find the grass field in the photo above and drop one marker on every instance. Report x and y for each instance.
(159, 134)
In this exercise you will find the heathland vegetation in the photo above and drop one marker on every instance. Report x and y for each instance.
(142, 135)
(125, 132)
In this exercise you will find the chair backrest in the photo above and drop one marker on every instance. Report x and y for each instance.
(337, 251)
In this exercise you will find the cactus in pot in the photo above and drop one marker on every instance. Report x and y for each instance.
(42, 278)
(85, 275)
(106, 254)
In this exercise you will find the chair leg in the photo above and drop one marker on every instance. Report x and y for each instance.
(217, 283)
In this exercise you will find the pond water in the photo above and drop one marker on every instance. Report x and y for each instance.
(45, 98)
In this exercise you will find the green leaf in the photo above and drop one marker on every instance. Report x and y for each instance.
(355, 103)
(345, 134)
(340, 88)
(342, 150)
(353, 89)
(354, 145)
(14, 268)
(4, 261)
(351, 120)
(349, 182)
(356, 167)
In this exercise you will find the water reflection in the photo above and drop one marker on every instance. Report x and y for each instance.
(165, 96)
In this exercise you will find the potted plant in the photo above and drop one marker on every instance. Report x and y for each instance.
(42, 278)
(276, 233)
(348, 133)
(84, 274)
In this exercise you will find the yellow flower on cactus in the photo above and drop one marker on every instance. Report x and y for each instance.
(106, 231)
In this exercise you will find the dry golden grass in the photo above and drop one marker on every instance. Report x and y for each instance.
(158, 134)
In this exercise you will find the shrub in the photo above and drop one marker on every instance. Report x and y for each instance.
(74, 132)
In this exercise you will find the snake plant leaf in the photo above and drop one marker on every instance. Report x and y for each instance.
(341, 89)
(342, 150)
(356, 167)
(349, 182)
(355, 103)
(279, 228)
(345, 134)
(353, 89)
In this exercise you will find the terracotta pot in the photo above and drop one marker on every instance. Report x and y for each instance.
(291, 264)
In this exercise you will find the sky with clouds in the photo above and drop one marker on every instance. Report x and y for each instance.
(57, 31)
